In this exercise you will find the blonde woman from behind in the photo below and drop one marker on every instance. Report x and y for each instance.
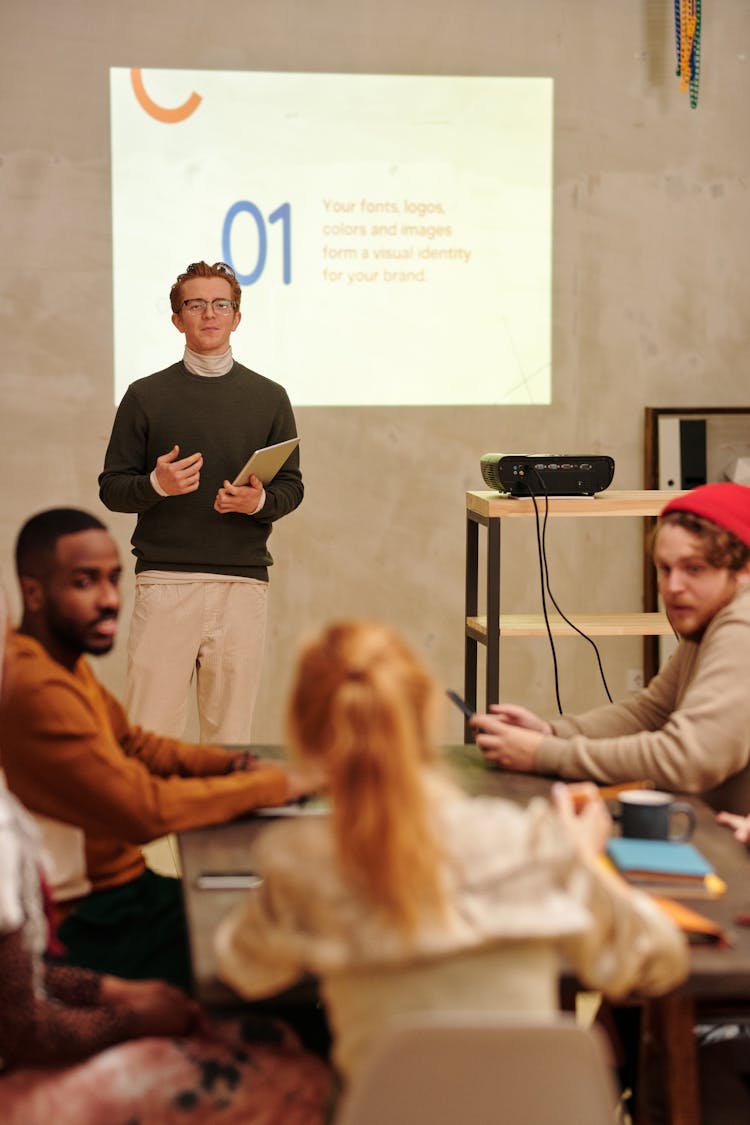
(411, 896)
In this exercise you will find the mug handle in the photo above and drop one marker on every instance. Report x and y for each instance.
(688, 811)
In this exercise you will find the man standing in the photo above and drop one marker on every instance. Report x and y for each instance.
(179, 437)
(689, 729)
(99, 787)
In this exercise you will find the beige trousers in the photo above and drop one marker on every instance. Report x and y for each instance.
(213, 630)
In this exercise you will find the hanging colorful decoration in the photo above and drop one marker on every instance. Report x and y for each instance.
(687, 26)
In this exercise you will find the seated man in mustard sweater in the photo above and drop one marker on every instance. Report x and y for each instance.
(689, 729)
(97, 786)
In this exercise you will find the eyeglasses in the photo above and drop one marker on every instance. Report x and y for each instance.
(222, 306)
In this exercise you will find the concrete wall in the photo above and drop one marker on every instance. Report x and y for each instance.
(651, 241)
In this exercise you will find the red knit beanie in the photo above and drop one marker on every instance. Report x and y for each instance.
(725, 504)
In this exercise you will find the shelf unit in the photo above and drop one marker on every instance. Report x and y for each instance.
(489, 509)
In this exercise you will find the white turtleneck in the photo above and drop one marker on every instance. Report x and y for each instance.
(208, 365)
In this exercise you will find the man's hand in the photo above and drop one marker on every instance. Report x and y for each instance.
(740, 825)
(520, 717)
(155, 1007)
(239, 498)
(177, 477)
(509, 742)
(303, 780)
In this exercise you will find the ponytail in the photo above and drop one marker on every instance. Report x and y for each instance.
(361, 707)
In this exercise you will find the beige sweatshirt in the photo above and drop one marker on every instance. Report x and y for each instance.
(688, 731)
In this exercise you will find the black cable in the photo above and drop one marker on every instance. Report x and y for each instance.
(543, 562)
(540, 552)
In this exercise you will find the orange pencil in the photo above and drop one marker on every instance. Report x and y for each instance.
(604, 792)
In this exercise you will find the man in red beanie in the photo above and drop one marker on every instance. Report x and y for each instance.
(689, 729)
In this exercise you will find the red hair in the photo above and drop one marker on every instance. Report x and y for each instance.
(202, 269)
(362, 706)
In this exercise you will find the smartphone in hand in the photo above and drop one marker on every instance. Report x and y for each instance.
(462, 706)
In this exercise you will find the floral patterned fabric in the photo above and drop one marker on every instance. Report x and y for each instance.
(235, 1072)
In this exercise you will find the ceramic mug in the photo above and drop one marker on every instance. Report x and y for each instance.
(648, 814)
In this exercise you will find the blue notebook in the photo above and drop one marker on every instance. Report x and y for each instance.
(651, 859)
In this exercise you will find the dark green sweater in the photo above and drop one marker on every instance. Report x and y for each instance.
(226, 418)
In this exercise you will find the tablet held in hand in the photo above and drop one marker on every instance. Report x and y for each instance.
(265, 463)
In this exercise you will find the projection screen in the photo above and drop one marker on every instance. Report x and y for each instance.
(392, 233)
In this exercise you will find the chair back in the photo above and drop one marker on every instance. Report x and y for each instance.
(464, 1068)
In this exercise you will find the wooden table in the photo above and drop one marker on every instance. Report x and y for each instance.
(719, 978)
(719, 981)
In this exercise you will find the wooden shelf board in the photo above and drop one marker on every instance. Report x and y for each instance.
(593, 625)
(492, 505)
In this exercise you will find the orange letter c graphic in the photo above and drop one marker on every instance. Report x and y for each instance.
(168, 116)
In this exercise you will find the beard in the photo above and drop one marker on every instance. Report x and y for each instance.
(81, 637)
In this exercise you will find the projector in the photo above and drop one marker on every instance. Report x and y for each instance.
(546, 475)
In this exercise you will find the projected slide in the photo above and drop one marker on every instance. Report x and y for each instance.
(392, 234)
